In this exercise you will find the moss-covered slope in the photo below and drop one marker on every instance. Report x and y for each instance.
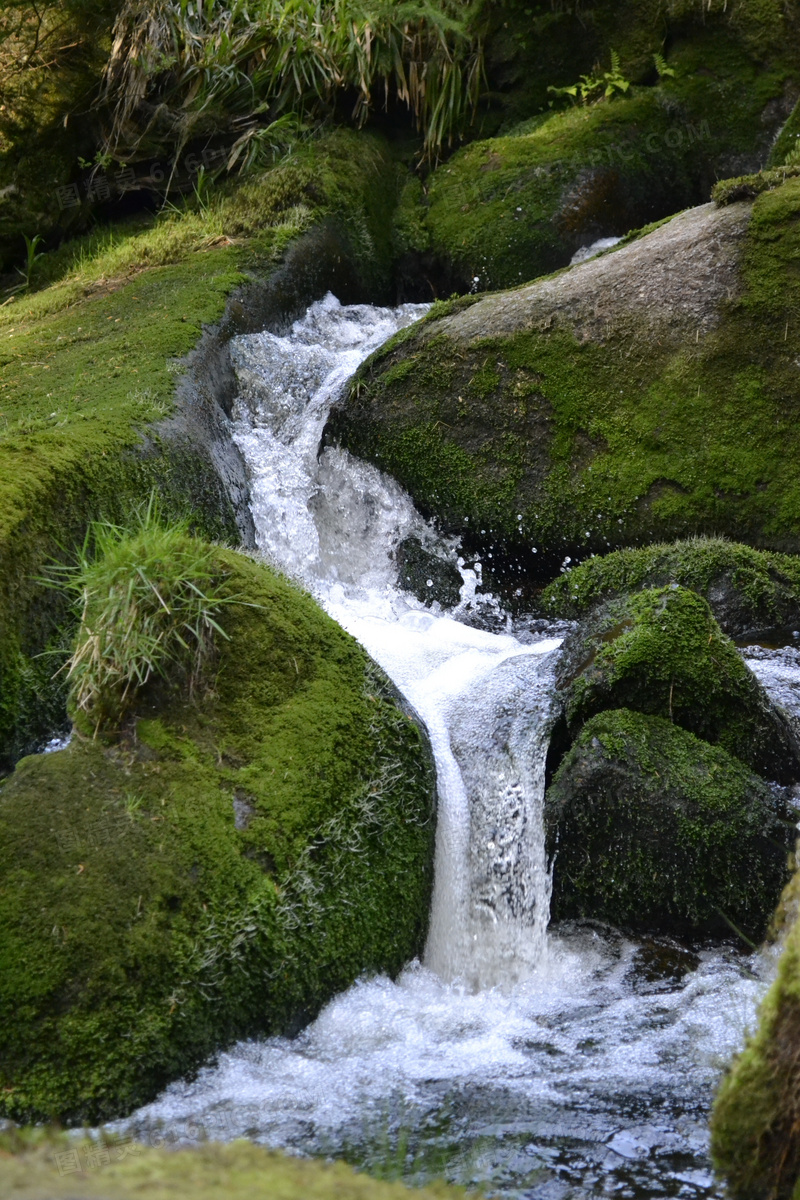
(46, 1165)
(652, 828)
(646, 395)
(224, 868)
(89, 363)
(508, 209)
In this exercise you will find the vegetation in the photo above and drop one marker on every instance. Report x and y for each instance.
(148, 605)
(177, 70)
(655, 829)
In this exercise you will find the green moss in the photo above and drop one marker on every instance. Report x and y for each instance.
(660, 651)
(589, 444)
(199, 880)
(655, 829)
(89, 363)
(754, 1122)
(118, 1170)
(747, 589)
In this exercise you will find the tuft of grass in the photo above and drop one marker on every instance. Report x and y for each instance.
(148, 603)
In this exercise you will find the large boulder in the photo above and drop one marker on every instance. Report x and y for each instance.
(219, 868)
(650, 828)
(749, 591)
(660, 651)
(638, 397)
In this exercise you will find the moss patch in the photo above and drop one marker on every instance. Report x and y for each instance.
(222, 870)
(653, 829)
(747, 589)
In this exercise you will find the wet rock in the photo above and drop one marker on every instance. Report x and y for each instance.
(650, 828)
(426, 575)
(660, 652)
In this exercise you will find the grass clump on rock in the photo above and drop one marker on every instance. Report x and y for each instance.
(219, 864)
(652, 828)
(660, 651)
(149, 606)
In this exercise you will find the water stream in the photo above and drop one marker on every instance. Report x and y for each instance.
(569, 1062)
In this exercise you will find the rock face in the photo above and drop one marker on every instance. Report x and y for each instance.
(661, 652)
(638, 397)
(651, 828)
(749, 591)
(222, 868)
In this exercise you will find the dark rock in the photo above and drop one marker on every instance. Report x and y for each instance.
(427, 576)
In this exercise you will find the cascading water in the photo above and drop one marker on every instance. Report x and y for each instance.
(570, 1064)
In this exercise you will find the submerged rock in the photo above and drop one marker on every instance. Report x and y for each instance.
(660, 651)
(650, 828)
(748, 590)
(641, 396)
(222, 868)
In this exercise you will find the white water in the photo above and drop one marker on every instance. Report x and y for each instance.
(574, 1063)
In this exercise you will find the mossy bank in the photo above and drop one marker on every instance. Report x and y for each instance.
(221, 869)
(32, 1166)
(99, 401)
(643, 396)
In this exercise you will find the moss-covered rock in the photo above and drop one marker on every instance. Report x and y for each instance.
(754, 1123)
(748, 590)
(660, 651)
(36, 1163)
(651, 828)
(640, 397)
(222, 869)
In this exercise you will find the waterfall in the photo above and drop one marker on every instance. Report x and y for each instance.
(333, 523)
